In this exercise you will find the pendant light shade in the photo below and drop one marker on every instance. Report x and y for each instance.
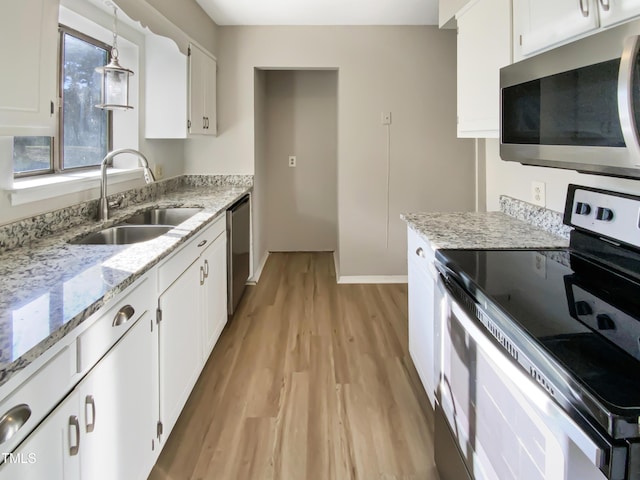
(115, 78)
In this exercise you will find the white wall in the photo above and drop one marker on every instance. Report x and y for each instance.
(409, 71)
(514, 180)
(259, 197)
(302, 120)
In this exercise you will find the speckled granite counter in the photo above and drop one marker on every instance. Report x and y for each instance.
(492, 230)
(50, 286)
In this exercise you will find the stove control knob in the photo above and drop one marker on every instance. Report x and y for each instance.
(604, 214)
(583, 208)
(605, 322)
(583, 308)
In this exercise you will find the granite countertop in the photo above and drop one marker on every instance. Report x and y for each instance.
(50, 286)
(491, 230)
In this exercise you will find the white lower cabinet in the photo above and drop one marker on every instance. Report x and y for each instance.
(46, 454)
(215, 293)
(118, 405)
(420, 258)
(180, 348)
(105, 426)
(193, 312)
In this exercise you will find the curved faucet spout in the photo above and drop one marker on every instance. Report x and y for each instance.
(103, 205)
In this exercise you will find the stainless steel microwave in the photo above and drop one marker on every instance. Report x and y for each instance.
(576, 106)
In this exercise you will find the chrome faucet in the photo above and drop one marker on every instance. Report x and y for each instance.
(103, 205)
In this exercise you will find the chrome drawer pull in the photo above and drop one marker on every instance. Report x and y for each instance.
(90, 401)
(202, 243)
(13, 420)
(420, 252)
(605, 5)
(123, 316)
(206, 268)
(73, 422)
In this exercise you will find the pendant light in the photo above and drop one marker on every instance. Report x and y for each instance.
(115, 78)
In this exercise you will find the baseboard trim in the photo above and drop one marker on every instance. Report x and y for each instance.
(373, 279)
(256, 276)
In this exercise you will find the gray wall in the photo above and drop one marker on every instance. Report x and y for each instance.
(301, 119)
(416, 164)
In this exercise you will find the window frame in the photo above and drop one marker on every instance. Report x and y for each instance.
(58, 157)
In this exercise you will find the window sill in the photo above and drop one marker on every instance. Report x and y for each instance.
(44, 187)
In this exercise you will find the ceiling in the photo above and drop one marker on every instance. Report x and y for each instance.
(322, 12)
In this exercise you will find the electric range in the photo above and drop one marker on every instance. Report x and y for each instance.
(570, 318)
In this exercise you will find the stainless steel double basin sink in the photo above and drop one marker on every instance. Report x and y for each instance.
(140, 227)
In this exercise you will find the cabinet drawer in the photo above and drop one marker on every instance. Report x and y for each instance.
(40, 393)
(173, 267)
(111, 324)
(419, 250)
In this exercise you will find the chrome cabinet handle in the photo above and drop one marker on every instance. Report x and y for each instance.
(13, 420)
(123, 316)
(202, 277)
(90, 401)
(605, 4)
(584, 7)
(73, 422)
(420, 252)
(202, 243)
(625, 95)
(206, 268)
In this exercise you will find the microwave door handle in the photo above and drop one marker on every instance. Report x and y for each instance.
(625, 97)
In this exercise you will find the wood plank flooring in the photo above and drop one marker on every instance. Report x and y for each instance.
(311, 380)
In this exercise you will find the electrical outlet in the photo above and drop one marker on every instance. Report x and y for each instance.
(538, 193)
(158, 171)
(386, 118)
(292, 160)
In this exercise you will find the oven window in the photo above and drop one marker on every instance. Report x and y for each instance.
(574, 108)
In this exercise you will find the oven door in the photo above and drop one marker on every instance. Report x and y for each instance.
(503, 425)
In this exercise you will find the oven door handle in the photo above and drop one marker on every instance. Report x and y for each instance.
(625, 97)
(537, 398)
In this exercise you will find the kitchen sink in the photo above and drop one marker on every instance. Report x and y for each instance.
(123, 235)
(163, 216)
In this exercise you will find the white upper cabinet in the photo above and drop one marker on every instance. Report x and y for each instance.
(484, 46)
(543, 24)
(617, 11)
(202, 98)
(28, 51)
(180, 90)
(165, 88)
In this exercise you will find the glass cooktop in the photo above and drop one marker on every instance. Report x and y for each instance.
(584, 315)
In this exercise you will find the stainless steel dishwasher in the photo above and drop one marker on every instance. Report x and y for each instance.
(238, 244)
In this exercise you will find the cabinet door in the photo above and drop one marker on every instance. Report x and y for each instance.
(202, 92)
(28, 49)
(482, 52)
(196, 92)
(117, 402)
(421, 324)
(180, 350)
(209, 79)
(47, 453)
(540, 24)
(214, 292)
(617, 11)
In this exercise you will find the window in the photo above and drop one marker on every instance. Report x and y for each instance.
(84, 131)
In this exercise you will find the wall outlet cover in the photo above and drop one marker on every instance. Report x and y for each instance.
(292, 160)
(538, 193)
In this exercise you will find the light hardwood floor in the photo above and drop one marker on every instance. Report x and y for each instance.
(311, 380)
